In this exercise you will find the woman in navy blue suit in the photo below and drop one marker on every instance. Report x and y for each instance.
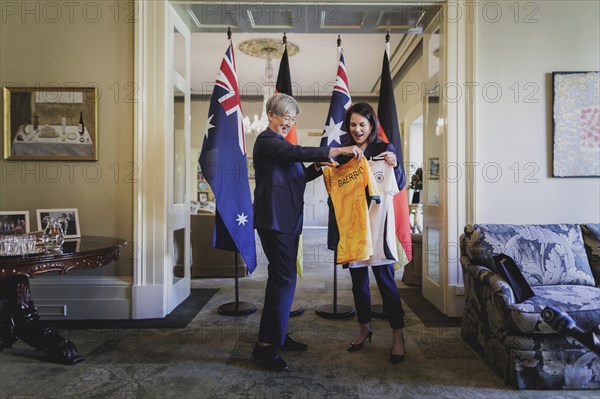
(363, 126)
(280, 182)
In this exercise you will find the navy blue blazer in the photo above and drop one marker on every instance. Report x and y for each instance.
(280, 181)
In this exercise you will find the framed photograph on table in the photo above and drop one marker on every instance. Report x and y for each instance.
(14, 222)
(202, 196)
(576, 124)
(52, 124)
(68, 214)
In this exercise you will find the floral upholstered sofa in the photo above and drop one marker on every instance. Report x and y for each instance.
(561, 263)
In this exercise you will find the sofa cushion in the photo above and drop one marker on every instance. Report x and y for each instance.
(591, 242)
(550, 254)
(582, 303)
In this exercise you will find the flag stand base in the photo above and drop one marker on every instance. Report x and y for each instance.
(378, 312)
(335, 311)
(237, 308)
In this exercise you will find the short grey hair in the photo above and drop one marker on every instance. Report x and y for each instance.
(281, 104)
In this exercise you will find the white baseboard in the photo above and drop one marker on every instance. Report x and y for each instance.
(456, 301)
(77, 297)
(149, 301)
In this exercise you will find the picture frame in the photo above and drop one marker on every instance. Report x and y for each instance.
(14, 222)
(251, 172)
(42, 123)
(575, 127)
(434, 168)
(71, 214)
(202, 196)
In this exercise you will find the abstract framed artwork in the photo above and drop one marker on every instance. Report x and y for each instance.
(576, 124)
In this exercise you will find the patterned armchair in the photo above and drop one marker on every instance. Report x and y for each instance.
(563, 271)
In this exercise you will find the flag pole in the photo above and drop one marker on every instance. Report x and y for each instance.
(284, 85)
(390, 129)
(335, 311)
(236, 308)
(377, 310)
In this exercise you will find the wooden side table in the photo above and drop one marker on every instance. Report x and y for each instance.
(19, 318)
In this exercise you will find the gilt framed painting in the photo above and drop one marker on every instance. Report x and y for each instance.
(51, 123)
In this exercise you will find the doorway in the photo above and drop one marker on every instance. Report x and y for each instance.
(151, 29)
(415, 171)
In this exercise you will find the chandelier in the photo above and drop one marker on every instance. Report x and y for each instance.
(264, 48)
(258, 125)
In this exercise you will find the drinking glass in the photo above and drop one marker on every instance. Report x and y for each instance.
(30, 240)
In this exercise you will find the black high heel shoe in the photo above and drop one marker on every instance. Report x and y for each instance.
(354, 347)
(395, 359)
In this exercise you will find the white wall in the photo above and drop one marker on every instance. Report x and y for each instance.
(408, 94)
(514, 134)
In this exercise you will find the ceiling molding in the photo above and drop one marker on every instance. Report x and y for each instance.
(358, 15)
(230, 21)
(410, 61)
(325, 99)
(305, 17)
(283, 20)
(399, 57)
(313, 27)
(403, 51)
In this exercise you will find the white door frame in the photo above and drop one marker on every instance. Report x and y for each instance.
(178, 288)
(154, 293)
(456, 176)
(434, 197)
(460, 150)
(150, 204)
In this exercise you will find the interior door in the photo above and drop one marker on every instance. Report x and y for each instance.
(177, 148)
(434, 159)
(316, 210)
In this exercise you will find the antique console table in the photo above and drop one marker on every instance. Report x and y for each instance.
(19, 318)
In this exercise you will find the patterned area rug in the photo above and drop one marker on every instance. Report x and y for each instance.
(212, 356)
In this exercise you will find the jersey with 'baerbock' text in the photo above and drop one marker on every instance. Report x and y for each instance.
(351, 188)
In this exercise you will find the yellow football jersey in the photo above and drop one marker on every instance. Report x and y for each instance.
(346, 186)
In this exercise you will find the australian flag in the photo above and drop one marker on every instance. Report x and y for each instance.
(340, 102)
(333, 132)
(223, 162)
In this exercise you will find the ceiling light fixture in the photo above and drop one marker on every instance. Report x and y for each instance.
(264, 48)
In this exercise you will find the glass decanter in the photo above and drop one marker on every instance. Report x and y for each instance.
(54, 233)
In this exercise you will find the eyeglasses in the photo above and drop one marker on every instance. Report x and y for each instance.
(288, 119)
